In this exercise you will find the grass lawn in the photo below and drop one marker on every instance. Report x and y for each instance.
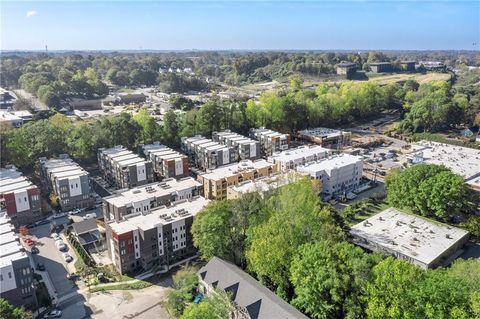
(374, 208)
(140, 284)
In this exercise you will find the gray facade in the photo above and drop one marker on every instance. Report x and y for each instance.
(167, 163)
(270, 141)
(69, 181)
(245, 148)
(207, 154)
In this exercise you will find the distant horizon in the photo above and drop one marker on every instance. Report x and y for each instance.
(254, 25)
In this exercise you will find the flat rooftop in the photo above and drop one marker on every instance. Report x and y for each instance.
(463, 161)
(321, 132)
(265, 183)
(330, 163)
(266, 132)
(235, 168)
(150, 191)
(12, 180)
(160, 216)
(58, 168)
(122, 157)
(298, 153)
(410, 235)
(10, 248)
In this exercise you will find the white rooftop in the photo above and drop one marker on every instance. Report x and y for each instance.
(235, 168)
(336, 161)
(298, 153)
(12, 180)
(58, 168)
(463, 161)
(122, 157)
(161, 215)
(9, 245)
(321, 132)
(150, 191)
(418, 238)
(265, 184)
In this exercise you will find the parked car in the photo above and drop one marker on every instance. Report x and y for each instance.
(40, 267)
(34, 250)
(61, 245)
(55, 313)
(67, 257)
(90, 216)
(55, 236)
(74, 212)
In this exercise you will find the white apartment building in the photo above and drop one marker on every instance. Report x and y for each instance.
(290, 159)
(339, 174)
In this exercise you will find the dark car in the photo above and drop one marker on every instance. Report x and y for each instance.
(34, 250)
(40, 267)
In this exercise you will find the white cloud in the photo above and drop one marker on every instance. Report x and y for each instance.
(31, 13)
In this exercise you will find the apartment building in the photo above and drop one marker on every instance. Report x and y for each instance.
(154, 240)
(166, 162)
(16, 282)
(19, 198)
(270, 141)
(339, 174)
(262, 185)
(145, 198)
(123, 168)
(290, 159)
(245, 148)
(68, 180)
(207, 154)
(216, 182)
(326, 137)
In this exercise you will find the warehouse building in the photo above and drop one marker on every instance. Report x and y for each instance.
(348, 69)
(216, 182)
(207, 154)
(292, 158)
(326, 137)
(154, 240)
(245, 148)
(123, 168)
(167, 163)
(270, 141)
(19, 198)
(16, 281)
(147, 197)
(339, 174)
(250, 297)
(407, 66)
(68, 180)
(422, 242)
(381, 67)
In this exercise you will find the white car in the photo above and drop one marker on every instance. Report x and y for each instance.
(74, 212)
(56, 313)
(89, 216)
(60, 245)
(67, 257)
(55, 236)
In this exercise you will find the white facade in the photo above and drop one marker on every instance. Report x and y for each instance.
(290, 159)
(339, 174)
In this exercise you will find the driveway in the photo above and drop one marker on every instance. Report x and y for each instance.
(37, 104)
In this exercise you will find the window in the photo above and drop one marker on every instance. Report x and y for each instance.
(1, 277)
(9, 275)
(136, 239)
(123, 252)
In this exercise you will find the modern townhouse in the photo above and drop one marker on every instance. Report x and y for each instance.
(16, 282)
(166, 162)
(270, 141)
(216, 182)
(148, 197)
(207, 154)
(123, 168)
(68, 180)
(245, 148)
(339, 174)
(19, 198)
(290, 159)
(156, 239)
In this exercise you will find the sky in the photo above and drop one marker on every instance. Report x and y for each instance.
(240, 25)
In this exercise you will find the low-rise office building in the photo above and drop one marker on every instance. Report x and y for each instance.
(19, 198)
(207, 154)
(422, 242)
(407, 66)
(167, 163)
(216, 182)
(147, 197)
(16, 281)
(68, 180)
(262, 185)
(347, 68)
(339, 174)
(290, 159)
(14, 119)
(123, 168)
(270, 141)
(154, 240)
(326, 137)
(251, 298)
(245, 148)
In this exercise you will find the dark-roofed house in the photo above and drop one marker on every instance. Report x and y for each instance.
(381, 67)
(88, 235)
(346, 68)
(252, 299)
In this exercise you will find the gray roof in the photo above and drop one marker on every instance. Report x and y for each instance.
(248, 293)
(84, 226)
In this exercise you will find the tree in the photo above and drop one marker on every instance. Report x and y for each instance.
(329, 279)
(217, 305)
(430, 190)
(171, 129)
(150, 130)
(185, 282)
(7, 311)
(296, 219)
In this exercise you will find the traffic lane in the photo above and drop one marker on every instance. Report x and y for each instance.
(52, 258)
